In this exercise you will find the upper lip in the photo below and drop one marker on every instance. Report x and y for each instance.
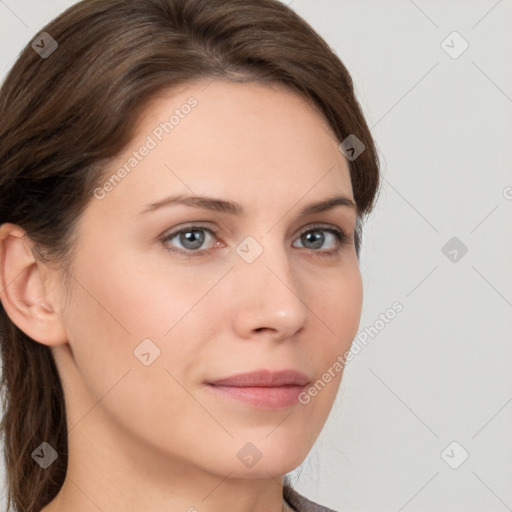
(264, 378)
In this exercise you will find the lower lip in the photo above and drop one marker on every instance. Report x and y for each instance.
(262, 397)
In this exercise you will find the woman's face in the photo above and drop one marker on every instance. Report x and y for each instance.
(154, 316)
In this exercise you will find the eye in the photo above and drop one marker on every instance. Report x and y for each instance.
(191, 239)
(315, 238)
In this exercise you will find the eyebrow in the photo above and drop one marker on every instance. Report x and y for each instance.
(232, 208)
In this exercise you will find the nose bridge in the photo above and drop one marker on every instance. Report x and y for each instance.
(268, 289)
(266, 260)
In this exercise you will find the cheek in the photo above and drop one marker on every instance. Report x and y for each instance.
(350, 303)
(339, 304)
(136, 299)
(109, 317)
(118, 305)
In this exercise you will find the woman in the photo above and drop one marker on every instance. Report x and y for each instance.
(183, 189)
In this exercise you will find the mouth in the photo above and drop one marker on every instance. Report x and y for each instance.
(263, 389)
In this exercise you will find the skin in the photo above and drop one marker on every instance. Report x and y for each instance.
(155, 438)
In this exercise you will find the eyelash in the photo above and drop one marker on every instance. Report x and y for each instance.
(340, 235)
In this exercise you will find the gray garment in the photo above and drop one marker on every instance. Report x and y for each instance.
(301, 504)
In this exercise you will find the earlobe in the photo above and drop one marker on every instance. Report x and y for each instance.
(23, 291)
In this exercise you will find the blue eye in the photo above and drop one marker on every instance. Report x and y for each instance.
(192, 238)
(312, 236)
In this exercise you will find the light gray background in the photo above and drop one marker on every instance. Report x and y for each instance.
(440, 371)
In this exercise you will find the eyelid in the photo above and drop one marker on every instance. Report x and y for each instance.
(215, 229)
(190, 226)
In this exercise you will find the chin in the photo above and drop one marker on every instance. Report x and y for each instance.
(275, 464)
(263, 471)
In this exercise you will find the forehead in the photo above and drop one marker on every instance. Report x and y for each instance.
(230, 139)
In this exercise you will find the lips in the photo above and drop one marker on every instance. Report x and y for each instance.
(264, 378)
(263, 389)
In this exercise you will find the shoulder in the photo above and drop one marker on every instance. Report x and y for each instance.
(301, 504)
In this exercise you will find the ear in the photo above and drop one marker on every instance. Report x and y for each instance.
(23, 291)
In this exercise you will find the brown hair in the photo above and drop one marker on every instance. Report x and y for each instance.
(64, 117)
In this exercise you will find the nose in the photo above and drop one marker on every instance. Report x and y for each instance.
(268, 297)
